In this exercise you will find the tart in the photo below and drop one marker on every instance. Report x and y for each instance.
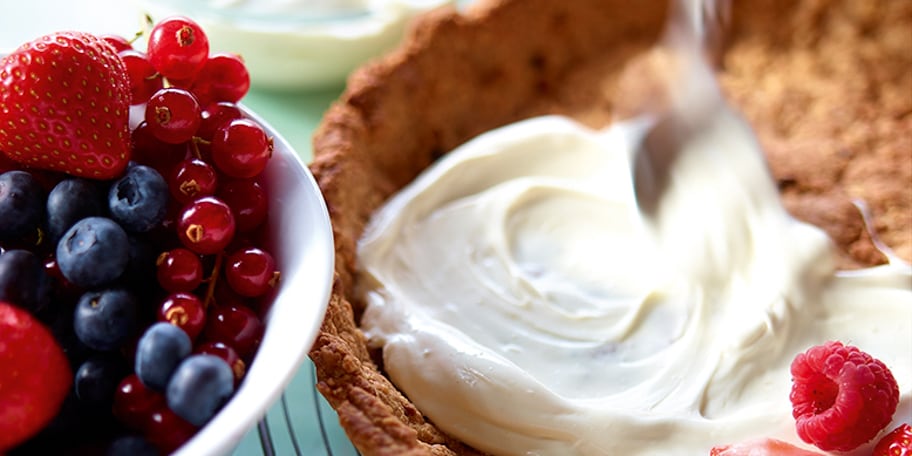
(826, 86)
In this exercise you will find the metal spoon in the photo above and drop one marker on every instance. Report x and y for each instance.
(699, 175)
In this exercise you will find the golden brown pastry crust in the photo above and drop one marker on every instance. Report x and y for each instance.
(827, 85)
(832, 104)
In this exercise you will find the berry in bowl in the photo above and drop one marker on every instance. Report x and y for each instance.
(165, 256)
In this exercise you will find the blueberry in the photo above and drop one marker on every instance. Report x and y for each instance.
(21, 204)
(97, 379)
(139, 199)
(105, 319)
(23, 281)
(199, 387)
(159, 351)
(93, 252)
(70, 201)
(131, 445)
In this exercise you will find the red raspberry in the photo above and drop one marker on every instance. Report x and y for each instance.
(841, 396)
(897, 443)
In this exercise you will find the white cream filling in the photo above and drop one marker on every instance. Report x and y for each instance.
(523, 306)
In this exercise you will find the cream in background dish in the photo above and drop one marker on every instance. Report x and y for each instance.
(316, 8)
(523, 306)
(299, 44)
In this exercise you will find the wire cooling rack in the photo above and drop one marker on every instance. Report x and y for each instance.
(300, 423)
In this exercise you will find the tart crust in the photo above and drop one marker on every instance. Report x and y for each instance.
(827, 85)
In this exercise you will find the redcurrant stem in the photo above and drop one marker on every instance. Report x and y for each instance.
(146, 26)
(40, 239)
(213, 278)
(196, 141)
(138, 33)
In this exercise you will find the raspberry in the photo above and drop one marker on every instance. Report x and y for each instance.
(841, 397)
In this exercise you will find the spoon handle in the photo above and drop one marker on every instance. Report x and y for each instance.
(699, 175)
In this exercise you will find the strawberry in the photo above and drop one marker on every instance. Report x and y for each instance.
(6, 164)
(64, 106)
(34, 379)
(897, 443)
(761, 447)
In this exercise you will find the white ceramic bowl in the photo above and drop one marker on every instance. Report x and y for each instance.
(300, 230)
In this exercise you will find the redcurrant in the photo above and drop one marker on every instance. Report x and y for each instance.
(179, 270)
(206, 225)
(144, 80)
(118, 42)
(238, 366)
(134, 403)
(173, 115)
(251, 272)
(247, 200)
(184, 310)
(216, 115)
(178, 47)
(167, 431)
(235, 326)
(241, 148)
(192, 178)
(224, 77)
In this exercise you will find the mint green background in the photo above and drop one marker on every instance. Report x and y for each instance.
(294, 114)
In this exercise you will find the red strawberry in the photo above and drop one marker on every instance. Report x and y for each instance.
(64, 106)
(762, 447)
(897, 443)
(34, 379)
(6, 164)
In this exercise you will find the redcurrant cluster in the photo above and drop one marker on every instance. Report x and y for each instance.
(211, 157)
(155, 359)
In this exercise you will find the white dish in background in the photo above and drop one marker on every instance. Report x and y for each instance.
(21, 22)
(303, 248)
(299, 44)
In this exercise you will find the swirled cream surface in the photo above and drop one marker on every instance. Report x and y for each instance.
(524, 307)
